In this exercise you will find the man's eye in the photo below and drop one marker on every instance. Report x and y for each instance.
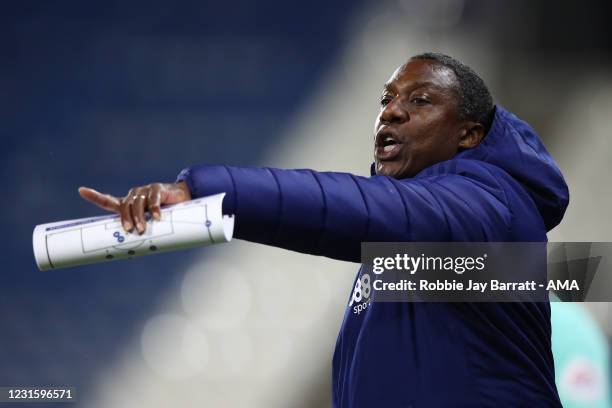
(418, 100)
(384, 101)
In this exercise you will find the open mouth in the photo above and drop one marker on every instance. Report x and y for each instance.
(388, 144)
(386, 147)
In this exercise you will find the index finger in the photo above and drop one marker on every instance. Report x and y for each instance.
(104, 201)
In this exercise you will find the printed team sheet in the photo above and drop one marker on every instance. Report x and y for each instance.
(89, 240)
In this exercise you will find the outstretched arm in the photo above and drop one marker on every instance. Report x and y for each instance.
(330, 214)
(325, 213)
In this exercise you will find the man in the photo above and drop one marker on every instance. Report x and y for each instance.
(449, 166)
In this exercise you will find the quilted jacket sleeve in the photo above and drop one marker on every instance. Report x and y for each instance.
(330, 214)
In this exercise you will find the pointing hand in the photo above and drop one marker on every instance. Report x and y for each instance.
(138, 200)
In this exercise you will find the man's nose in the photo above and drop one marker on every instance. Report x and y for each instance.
(394, 113)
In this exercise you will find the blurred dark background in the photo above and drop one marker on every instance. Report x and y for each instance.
(115, 94)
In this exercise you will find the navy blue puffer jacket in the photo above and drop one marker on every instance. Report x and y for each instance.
(419, 354)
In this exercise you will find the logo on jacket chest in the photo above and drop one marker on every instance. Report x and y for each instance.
(360, 299)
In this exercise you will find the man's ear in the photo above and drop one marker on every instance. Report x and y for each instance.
(471, 135)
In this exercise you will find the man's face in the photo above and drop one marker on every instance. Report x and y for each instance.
(418, 124)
